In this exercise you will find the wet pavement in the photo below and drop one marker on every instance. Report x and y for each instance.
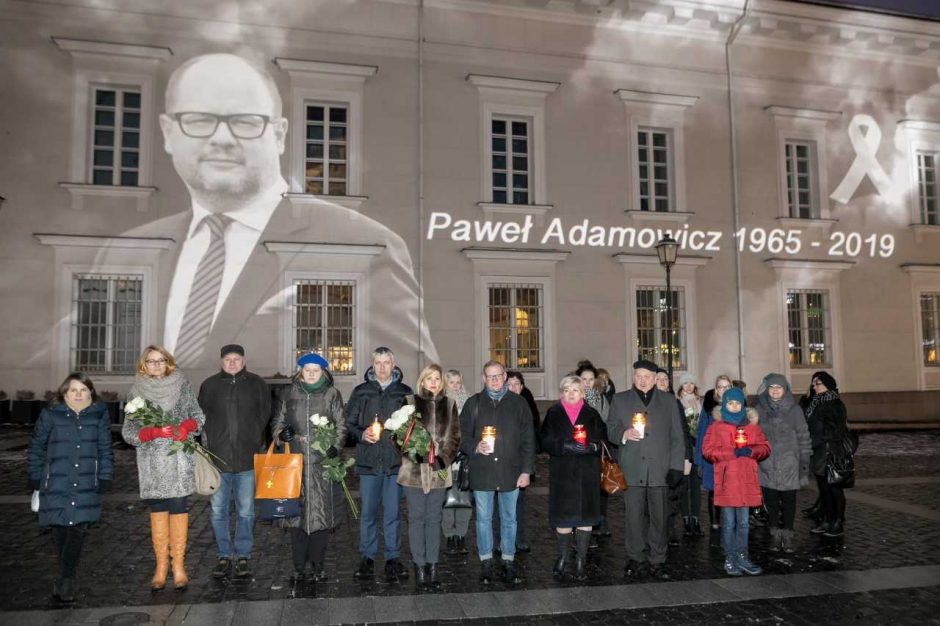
(893, 522)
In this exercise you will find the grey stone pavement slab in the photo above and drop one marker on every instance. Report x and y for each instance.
(890, 553)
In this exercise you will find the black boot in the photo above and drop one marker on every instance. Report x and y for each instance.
(582, 541)
(487, 571)
(65, 589)
(462, 546)
(697, 528)
(604, 529)
(421, 577)
(687, 526)
(835, 529)
(564, 544)
(434, 582)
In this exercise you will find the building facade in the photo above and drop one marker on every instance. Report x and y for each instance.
(527, 157)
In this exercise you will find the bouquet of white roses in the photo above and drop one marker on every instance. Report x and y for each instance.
(412, 437)
(334, 469)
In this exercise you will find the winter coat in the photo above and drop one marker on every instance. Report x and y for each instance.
(439, 417)
(705, 420)
(645, 463)
(238, 410)
(161, 474)
(322, 503)
(736, 482)
(827, 424)
(786, 432)
(68, 454)
(515, 441)
(367, 401)
(574, 485)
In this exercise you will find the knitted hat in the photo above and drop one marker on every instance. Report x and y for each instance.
(775, 379)
(827, 379)
(687, 378)
(733, 394)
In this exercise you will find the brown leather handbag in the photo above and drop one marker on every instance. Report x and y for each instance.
(278, 476)
(612, 479)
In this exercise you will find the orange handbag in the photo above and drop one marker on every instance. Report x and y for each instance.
(277, 476)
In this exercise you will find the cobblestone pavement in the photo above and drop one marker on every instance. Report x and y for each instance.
(899, 468)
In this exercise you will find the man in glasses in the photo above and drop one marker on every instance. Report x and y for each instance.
(224, 275)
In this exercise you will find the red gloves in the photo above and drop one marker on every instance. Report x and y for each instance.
(185, 427)
(149, 433)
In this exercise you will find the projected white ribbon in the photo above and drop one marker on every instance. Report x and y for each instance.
(865, 163)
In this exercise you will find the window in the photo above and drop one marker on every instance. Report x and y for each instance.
(324, 314)
(801, 186)
(653, 157)
(930, 327)
(115, 136)
(808, 328)
(511, 173)
(927, 187)
(516, 325)
(653, 328)
(106, 323)
(326, 141)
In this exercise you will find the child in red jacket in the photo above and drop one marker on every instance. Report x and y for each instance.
(735, 444)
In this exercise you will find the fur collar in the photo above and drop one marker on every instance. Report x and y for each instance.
(752, 416)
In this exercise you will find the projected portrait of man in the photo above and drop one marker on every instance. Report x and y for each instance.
(225, 277)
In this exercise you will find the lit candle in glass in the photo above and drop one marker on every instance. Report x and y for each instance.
(376, 428)
(740, 438)
(580, 434)
(489, 436)
(639, 423)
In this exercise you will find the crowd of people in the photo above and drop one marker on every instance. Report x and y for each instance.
(480, 459)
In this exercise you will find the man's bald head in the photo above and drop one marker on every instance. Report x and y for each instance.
(219, 65)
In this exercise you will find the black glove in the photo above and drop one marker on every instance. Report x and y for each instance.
(104, 485)
(572, 447)
(287, 434)
(332, 452)
(674, 478)
(742, 452)
(33, 484)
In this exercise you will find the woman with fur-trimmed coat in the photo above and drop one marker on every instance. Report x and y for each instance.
(425, 489)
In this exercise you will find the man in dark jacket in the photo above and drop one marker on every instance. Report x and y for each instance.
(237, 405)
(499, 464)
(651, 457)
(377, 462)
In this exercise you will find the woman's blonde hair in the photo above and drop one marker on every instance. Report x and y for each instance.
(427, 371)
(142, 366)
(569, 381)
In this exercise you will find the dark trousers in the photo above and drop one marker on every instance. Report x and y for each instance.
(173, 506)
(674, 500)
(779, 503)
(425, 511)
(68, 543)
(691, 500)
(308, 548)
(646, 510)
(833, 500)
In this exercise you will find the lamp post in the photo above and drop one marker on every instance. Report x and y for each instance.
(668, 249)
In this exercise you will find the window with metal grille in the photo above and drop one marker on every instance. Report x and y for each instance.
(927, 187)
(324, 322)
(654, 155)
(106, 323)
(115, 136)
(930, 327)
(653, 325)
(800, 157)
(326, 152)
(516, 326)
(511, 162)
(808, 328)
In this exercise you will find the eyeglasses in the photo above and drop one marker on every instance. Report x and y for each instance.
(155, 361)
(723, 387)
(203, 125)
(817, 382)
(494, 377)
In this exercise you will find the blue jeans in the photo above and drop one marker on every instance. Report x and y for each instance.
(242, 485)
(734, 529)
(507, 523)
(375, 488)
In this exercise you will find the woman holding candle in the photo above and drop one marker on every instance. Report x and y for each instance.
(735, 443)
(571, 434)
(425, 482)
(705, 469)
(311, 393)
(787, 469)
(827, 421)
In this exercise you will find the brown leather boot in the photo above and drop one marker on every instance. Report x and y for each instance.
(160, 536)
(179, 527)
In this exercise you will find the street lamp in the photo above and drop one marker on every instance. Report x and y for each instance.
(668, 249)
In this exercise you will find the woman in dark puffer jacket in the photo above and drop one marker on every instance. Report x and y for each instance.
(71, 463)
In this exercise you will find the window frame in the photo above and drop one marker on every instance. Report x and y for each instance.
(326, 142)
(805, 328)
(355, 331)
(790, 164)
(513, 350)
(109, 325)
(660, 286)
(509, 136)
(118, 148)
(935, 295)
(919, 196)
(651, 181)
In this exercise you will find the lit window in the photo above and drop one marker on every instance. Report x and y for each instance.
(115, 137)
(801, 184)
(653, 327)
(808, 328)
(106, 323)
(927, 188)
(326, 145)
(653, 160)
(930, 325)
(510, 161)
(516, 326)
(324, 322)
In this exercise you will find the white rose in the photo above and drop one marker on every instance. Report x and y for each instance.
(322, 421)
(314, 418)
(134, 405)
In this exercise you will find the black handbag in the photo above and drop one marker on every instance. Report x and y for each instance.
(271, 509)
(459, 495)
(840, 464)
(462, 480)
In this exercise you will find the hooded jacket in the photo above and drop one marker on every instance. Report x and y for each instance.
(736, 481)
(785, 428)
(368, 401)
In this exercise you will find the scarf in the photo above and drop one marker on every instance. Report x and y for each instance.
(572, 410)
(164, 392)
(819, 398)
(309, 388)
(496, 396)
